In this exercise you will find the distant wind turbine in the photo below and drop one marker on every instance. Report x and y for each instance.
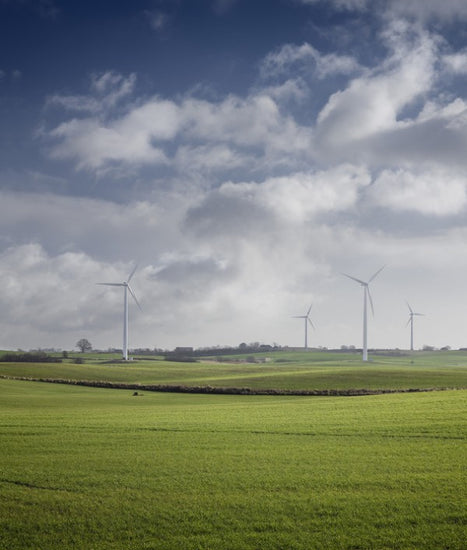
(307, 320)
(411, 316)
(126, 288)
(366, 292)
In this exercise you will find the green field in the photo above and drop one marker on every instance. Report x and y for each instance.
(288, 371)
(90, 468)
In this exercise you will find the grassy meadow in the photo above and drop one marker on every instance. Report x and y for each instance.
(91, 468)
(285, 370)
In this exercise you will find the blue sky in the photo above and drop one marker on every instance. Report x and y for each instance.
(243, 154)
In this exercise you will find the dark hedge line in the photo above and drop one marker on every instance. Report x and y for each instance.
(39, 357)
(220, 390)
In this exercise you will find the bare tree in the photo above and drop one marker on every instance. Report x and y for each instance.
(84, 345)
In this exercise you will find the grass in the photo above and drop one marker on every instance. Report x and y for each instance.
(286, 370)
(101, 469)
(88, 468)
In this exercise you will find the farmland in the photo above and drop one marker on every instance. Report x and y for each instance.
(101, 468)
(285, 371)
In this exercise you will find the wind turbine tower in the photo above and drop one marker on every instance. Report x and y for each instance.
(410, 321)
(307, 320)
(126, 288)
(366, 295)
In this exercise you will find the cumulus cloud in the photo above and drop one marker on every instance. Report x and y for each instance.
(103, 229)
(394, 115)
(386, 114)
(252, 204)
(292, 90)
(456, 62)
(45, 290)
(140, 135)
(436, 192)
(255, 122)
(372, 104)
(298, 196)
(94, 146)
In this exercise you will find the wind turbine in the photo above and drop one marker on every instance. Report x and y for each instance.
(126, 288)
(366, 293)
(411, 316)
(307, 320)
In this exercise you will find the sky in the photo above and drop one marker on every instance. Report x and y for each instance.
(243, 154)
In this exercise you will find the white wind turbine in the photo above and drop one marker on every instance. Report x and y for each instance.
(126, 288)
(366, 292)
(411, 316)
(307, 320)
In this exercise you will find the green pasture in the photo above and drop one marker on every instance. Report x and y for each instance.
(284, 370)
(89, 468)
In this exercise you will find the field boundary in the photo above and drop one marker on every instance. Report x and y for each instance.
(167, 388)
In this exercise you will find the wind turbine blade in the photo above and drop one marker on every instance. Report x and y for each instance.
(298, 316)
(379, 271)
(408, 322)
(309, 309)
(422, 314)
(110, 284)
(408, 305)
(367, 290)
(354, 279)
(134, 297)
(132, 273)
(309, 320)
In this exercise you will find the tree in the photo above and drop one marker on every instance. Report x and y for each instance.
(84, 345)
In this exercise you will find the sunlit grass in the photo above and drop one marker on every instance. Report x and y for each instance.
(89, 468)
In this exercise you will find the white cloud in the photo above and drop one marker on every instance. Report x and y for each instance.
(209, 158)
(45, 293)
(235, 268)
(372, 103)
(294, 90)
(290, 57)
(448, 112)
(251, 208)
(94, 145)
(429, 9)
(447, 10)
(109, 88)
(298, 196)
(255, 122)
(435, 192)
(456, 62)
(140, 134)
(101, 228)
